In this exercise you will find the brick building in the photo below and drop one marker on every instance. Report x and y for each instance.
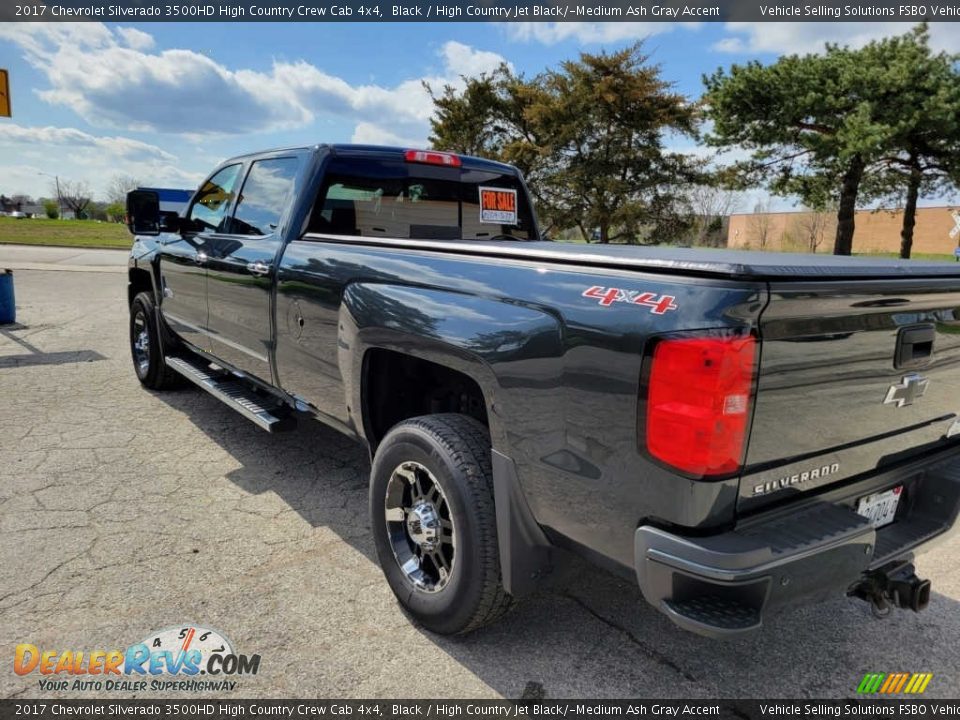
(877, 231)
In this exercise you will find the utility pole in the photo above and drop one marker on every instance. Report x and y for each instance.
(56, 179)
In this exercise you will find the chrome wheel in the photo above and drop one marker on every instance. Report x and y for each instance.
(141, 343)
(420, 527)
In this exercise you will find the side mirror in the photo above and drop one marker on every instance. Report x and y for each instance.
(171, 222)
(143, 212)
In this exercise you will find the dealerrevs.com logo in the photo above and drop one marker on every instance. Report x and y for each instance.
(186, 658)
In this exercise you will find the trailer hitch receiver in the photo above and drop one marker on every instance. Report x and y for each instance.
(895, 585)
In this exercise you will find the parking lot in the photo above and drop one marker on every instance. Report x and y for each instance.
(125, 512)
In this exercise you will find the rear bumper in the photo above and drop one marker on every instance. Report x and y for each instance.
(725, 585)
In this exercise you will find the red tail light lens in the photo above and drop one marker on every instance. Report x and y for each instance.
(698, 402)
(430, 157)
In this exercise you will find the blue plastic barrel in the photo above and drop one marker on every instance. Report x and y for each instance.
(8, 305)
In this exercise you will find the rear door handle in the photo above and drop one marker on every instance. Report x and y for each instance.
(201, 258)
(258, 268)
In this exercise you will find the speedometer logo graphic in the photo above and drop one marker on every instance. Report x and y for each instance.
(184, 639)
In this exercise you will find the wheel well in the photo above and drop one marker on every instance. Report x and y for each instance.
(139, 282)
(397, 387)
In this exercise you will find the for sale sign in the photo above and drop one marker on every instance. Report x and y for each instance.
(498, 206)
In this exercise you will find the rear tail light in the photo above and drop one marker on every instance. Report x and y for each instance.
(698, 402)
(431, 157)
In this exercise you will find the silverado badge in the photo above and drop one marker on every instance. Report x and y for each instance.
(912, 386)
(796, 479)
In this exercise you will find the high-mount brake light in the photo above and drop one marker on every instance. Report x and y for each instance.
(698, 402)
(431, 157)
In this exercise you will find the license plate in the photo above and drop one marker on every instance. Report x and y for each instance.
(880, 508)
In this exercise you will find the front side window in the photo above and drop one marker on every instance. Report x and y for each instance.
(264, 196)
(209, 209)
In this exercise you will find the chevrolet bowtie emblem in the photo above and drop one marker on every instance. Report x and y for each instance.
(912, 386)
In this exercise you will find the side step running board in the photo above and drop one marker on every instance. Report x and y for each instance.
(230, 391)
(713, 615)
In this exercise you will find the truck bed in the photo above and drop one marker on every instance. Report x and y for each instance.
(830, 327)
(705, 262)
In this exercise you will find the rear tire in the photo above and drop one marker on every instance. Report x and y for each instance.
(145, 346)
(434, 523)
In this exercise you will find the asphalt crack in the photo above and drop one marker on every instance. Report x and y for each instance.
(650, 652)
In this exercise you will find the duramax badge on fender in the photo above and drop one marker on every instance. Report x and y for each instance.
(737, 432)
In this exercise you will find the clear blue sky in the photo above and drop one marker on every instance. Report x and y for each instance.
(166, 102)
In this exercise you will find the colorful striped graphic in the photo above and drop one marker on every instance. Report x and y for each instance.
(894, 683)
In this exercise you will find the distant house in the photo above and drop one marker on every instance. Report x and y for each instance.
(10, 205)
(20, 207)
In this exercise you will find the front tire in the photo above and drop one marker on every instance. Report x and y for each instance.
(434, 522)
(145, 346)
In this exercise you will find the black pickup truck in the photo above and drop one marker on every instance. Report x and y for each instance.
(737, 431)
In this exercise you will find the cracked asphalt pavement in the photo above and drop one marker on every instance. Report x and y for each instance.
(125, 512)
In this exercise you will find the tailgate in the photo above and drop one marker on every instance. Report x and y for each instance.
(854, 376)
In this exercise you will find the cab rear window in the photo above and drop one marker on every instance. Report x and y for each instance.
(377, 198)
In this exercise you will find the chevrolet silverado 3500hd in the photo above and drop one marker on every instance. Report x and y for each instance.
(737, 431)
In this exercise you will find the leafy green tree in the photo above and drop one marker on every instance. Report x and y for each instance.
(818, 125)
(458, 126)
(925, 157)
(115, 211)
(51, 208)
(96, 211)
(589, 137)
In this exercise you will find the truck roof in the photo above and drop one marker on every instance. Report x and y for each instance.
(390, 150)
(359, 150)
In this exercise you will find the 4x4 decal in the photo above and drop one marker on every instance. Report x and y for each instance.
(608, 296)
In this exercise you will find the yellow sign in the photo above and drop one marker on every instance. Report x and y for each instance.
(5, 94)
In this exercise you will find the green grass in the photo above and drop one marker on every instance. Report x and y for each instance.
(913, 256)
(65, 233)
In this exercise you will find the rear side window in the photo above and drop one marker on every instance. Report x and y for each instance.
(377, 198)
(264, 196)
